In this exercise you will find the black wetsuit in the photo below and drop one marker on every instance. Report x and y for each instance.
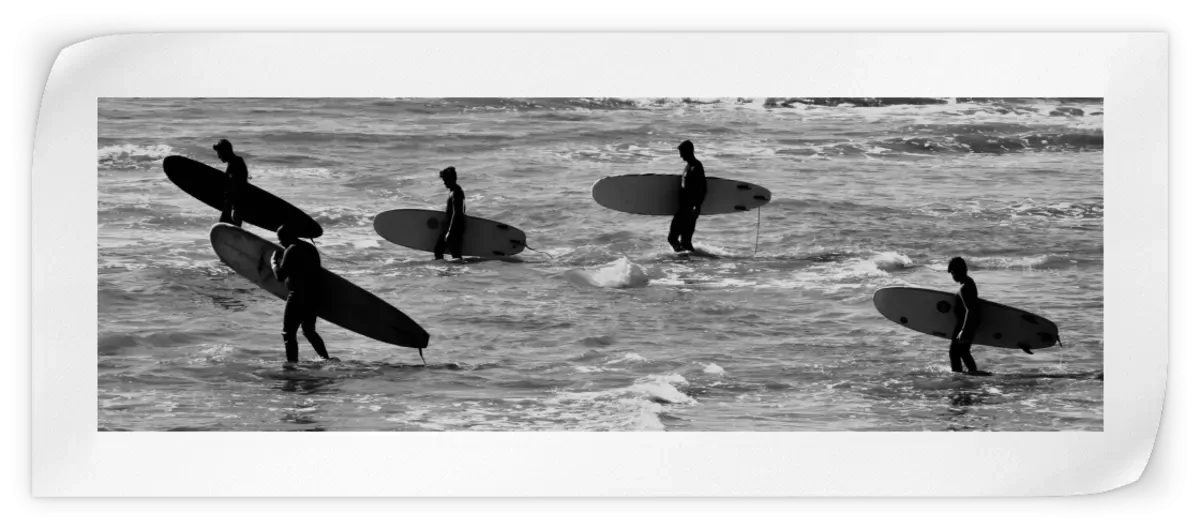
(456, 216)
(694, 186)
(960, 351)
(239, 178)
(299, 270)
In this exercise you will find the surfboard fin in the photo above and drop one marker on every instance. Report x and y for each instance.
(1026, 349)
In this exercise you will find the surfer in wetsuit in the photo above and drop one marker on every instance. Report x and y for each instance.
(966, 318)
(239, 178)
(693, 187)
(298, 267)
(451, 238)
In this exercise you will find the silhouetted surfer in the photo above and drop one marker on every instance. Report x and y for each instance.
(451, 238)
(693, 187)
(298, 268)
(239, 177)
(966, 318)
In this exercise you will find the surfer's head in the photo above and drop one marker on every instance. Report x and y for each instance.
(687, 151)
(286, 236)
(957, 269)
(449, 176)
(224, 149)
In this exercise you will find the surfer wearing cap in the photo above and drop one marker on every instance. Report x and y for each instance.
(451, 238)
(238, 178)
(966, 318)
(298, 266)
(693, 186)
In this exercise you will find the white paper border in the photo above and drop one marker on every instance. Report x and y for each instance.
(72, 459)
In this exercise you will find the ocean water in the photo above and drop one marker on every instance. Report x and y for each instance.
(603, 328)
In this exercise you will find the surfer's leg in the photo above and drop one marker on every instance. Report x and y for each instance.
(673, 235)
(689, 228)
(964, 352)
(292, 316)
(440, 247)
(227, 213)
(235, 208)
(955, 361)
(456, 241)
(309, 325)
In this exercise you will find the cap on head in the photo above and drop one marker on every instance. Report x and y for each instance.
(448, 173)
(285, 233)
(687, 146)
(957, 265)
(223, 146)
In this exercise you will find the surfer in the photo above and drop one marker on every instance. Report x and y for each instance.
(298, 267)
(966, 318)
(239, 178)
(451, 238)
(693, 186)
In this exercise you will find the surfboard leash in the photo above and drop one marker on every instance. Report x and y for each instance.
(314, 243)
(421, 351)
(532, 249)
(756, 230)
(1060, 352)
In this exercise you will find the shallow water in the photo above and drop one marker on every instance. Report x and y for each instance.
(603, 328)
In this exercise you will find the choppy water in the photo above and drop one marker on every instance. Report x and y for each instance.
(607, 330)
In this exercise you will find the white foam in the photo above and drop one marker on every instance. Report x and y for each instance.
(878, 265)
(591, 369)
(273, 172)
(891, 260)
(714, 369)
(662, 388)
(621, 273)
(130, 155)
(626, 358)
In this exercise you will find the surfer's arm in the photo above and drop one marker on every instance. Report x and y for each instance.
(694, 194)
(238, 169)
(280, 266)
(970, 300)
(455, 211)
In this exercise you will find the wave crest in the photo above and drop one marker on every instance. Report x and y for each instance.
(129, 156)
(621, 273)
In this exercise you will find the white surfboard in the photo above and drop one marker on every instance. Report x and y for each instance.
(658, 194)
(342, 303)
(932, 312)
(419, 229)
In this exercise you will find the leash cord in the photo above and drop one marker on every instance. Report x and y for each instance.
(314, 243)
(756, 231)
(532, 249)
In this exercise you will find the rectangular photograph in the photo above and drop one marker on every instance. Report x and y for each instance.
(739, 264)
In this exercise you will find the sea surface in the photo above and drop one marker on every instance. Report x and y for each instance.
(603, 328)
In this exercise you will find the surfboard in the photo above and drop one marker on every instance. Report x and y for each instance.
(658, 194)
(343, 303)
(932, 312)
(261, 208)
(419, 229)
